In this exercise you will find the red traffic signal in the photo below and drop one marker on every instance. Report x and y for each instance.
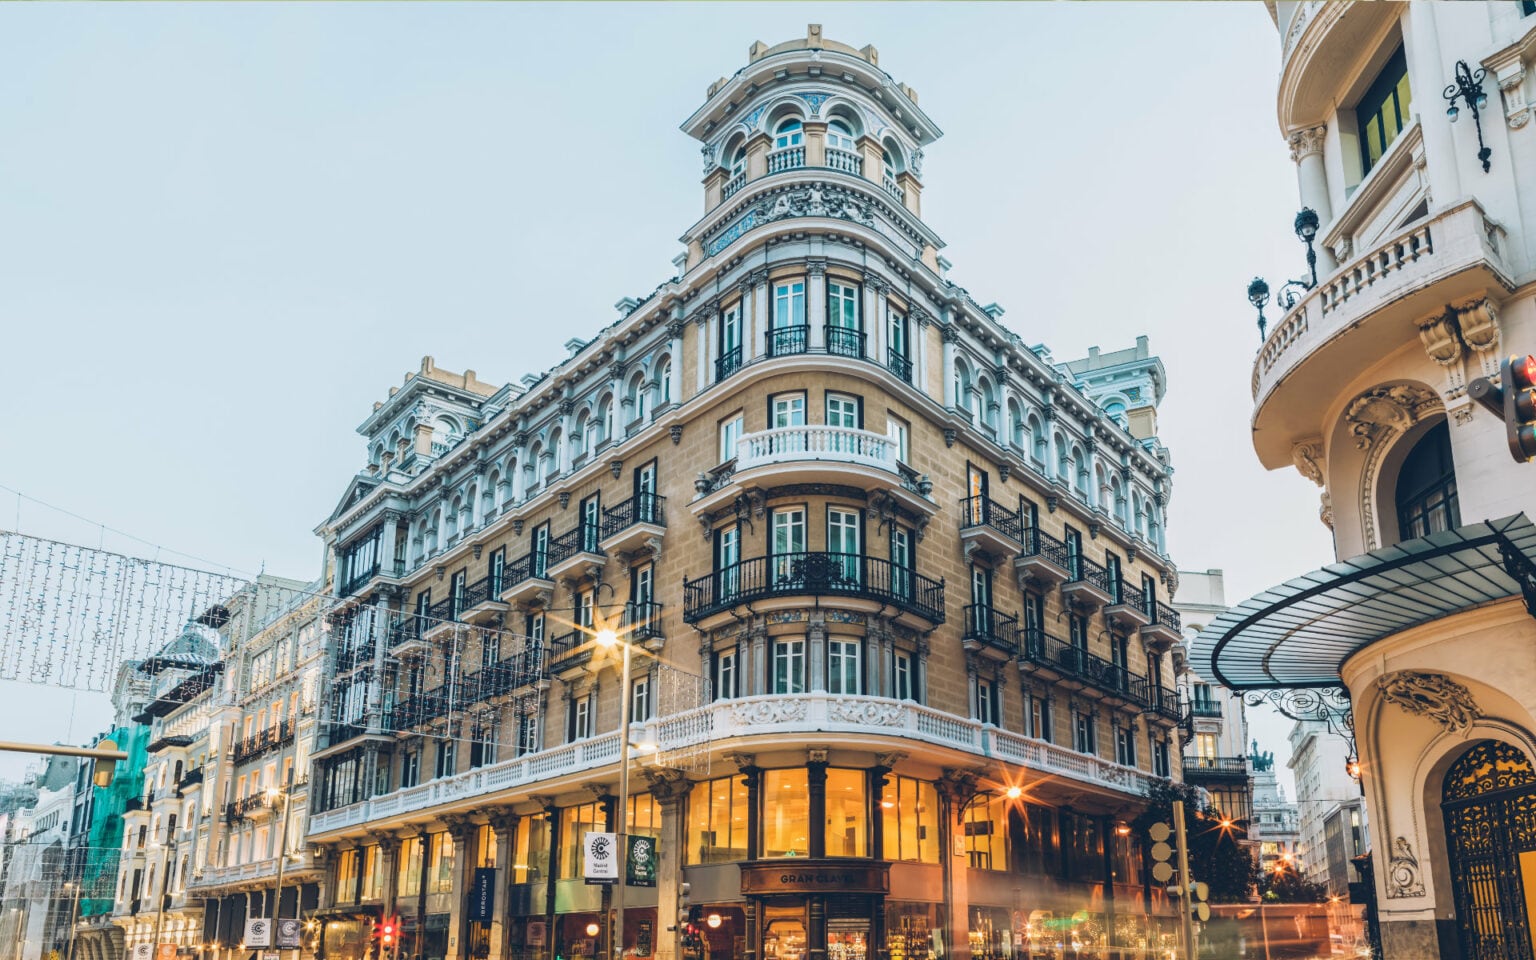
(1519, 378)
(387, 931)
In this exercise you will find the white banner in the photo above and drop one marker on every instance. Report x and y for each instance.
(258, 932)
(601, 859)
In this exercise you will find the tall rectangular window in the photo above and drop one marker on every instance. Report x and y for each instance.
(842, 304)
(726, 682)
(904, 676)
(788, 666)
(845, 541)
(847, 826)
(786, 410)
(408, 878)
(789, 304)
(986, 701)
(440, 869)
(1384, 111)
(591, 522)
(1040, 718)
(910, 809)
(410, 768)
(786, 813)
(528, 737)
(640, 702)
(1125, 745)
(986, 830)
(717, 821)
(898, 432)
(730, 432)
(1084, 732)
(540, 550)
(575, 823)
(530, 855)
(579, 719)
(843, 663)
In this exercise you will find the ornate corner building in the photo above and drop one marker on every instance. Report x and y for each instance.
(1410, 127)
(894, 583)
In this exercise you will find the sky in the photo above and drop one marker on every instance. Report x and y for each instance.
(227, 230)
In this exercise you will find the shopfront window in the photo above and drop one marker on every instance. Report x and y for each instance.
(485, 846)
(373, 872)
(910, 809)
(408, 882)
(991, 933)
(530, 859)
(784, 933)
(1035, 842)
(912, 931)
(575, 823)
(847, 814)
(644, 818)
(717, 821)
(346, 877)
(440, 868)
(1083, 838)
(985, 826)
(786, 814)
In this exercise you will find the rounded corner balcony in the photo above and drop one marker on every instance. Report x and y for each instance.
(814, 453)
(844, 581)
(1368, 308)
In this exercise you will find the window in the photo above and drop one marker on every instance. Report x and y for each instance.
(1125, 745)
(987, 706)
(591, 523)
(888, 165)
(640, 702)
(901, 561)
(410, 768)
(786, 813)
(408, 878)
(373, 872)
(842, 305)
(789, 133)
(839, 137)
(1160, 758)
(664, 384)
(528, 740)
(1040, 717)
(786, 410)
(847, 828)
(1384, 110)
(788, 542)
(843, 411)
(575, 823)
(530, 856)
(739, 162)
(844, 541)
(985, 827)
(903, 676)
(843, 662)
(540, 551)
(725, 675)
(1084, 732)
(440, 866)
(727, 555)
(717, 821)
(579, 719)
(730, 432)
(789, 304)
(447, 758)
(910, 809)
(1426, 487)
(584, 609)
(897, 430)
(788, 666)
(730, 341)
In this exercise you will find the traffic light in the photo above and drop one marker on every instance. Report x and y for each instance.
(684, 904)
(386, 933)
(1162, 852)
(1198, 908)
(101, 775)
(1514, 400)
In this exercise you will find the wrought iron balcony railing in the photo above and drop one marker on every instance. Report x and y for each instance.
(727, 363)
(981, 511)
(899, 363)
(1039, 543)
(845, 342)
(1075, 662)
(641, 622)
(814, 574)
(784, 341)
(641, 508)
(991, 627)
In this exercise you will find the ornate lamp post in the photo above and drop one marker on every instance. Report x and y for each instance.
(1306, 229)
(1468, 87)
(1258, 295)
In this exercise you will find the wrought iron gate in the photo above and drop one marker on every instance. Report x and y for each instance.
(1489, 802)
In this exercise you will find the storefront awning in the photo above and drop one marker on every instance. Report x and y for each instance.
(1300, 633)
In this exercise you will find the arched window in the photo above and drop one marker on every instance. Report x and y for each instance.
(637, 398)
(839, 136)
(988, 405)
(376, 454)
(1426, 487)
(1115, 410)
(739, 161)
(605, 417)
(1037, 440)
(789, 133)
(962, 386)
(581, 434)
(1015, 425)
(1081, 480)
(888, 165)
(664, 382)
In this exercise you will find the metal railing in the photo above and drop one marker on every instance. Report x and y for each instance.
(784, 341)
(1038, 543)
(1205, 708)
(727, 363)
(582, 538)
(984, 624)
(899, 364)
(1082, 570)
(1076, 662)
(640, 622)
(1228, 766)
(262, 741)
(845, 342)
(1125, 594)
(814, 574)
(648, 508)
(1167, 616)
(982, 511)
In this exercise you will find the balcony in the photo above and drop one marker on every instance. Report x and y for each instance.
(1043, 560)
(263, 741)
(845, 580)
(845, 342)
(845, 160)
(1197, 769)
(1127, 609)
(1208, 709)
(1071, 667)
(801, 716)
(637, 523)
(1166, 628)
(576, 553)
(1165, 707)
(728, 363)
(527, 580)
(991, 633)
(442, 618)
(1088, 586)
(428, 706)
(733, 184)
(1363, 312)
(482, 601)
(789, 158)
(641, 624)
(407, 636)
(786, 341)
(899, 364)
(247, 808)
(990, 527)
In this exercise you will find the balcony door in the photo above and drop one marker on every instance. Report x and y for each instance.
(642, 594)
(844, 413)
(645, 493)
(1074, 540)
(786, 410)
(730, 341)
(497, 573)
(456, 592)
(591, 523)
(727, 560)
(901, 562)
(844, 541)
(540, 549)
(845, 338)
(788, 544)
(1112, 567)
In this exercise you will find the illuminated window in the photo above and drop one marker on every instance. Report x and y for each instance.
(910, 809)
(847, 814)
(786, 814)
(575, 823)
(644, 818)
(530, 859)
(440, 868)
(408, 879)
(717, 821)
(373, 872)
(346, 877)
(1384, 111)
(986, 826)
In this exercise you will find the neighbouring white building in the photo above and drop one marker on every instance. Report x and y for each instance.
(1276, 824)
(1411, 128)
(35, 904)
(1216, 722)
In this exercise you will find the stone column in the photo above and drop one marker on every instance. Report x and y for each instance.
(675, 331)
(563, 454)
(816, 303)
(668, 789)
(760, 311)
(1091, 443)
(389, 854)
(504, 825)
(955, 791)
(751, 336)
(759, 664)
(917, 329)
(701, 327)
(463, 833)
(816, 653)
(519, 467)
(1048, 412)
(387, 542)
(949, 333)
(1312, 183)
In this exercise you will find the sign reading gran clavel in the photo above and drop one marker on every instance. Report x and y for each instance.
(815, 876)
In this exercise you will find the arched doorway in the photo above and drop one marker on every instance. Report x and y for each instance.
(1489, 803)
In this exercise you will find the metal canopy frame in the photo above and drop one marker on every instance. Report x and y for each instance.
(1298, 635)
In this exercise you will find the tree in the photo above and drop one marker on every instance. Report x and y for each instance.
(1286, 885)
(1215, 856)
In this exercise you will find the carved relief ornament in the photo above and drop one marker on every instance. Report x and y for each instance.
(1388, 409)
(1307, 456)
(1432, 695)
(1403, 879)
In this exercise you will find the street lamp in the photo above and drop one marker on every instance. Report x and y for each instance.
(1258, 295)
(278, 798)
(1468, 87)
(608, 638)
(1306, 225)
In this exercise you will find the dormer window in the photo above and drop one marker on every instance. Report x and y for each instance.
(790, 133)
(839, 137)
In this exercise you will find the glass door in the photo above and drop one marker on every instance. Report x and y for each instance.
(901, 562)
(788, 544)
(727, 558)
(844, 543)
(645, 493)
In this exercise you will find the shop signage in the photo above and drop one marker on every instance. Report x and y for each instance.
(536, 933)
(600, 860)
(640, 869)
(143, 951)
(815, 876)
(258, 932)
(287, 934)
(482, 895)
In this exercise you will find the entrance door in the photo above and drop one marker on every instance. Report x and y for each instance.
(1489, 803)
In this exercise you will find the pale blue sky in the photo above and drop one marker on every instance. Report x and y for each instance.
(225, 231)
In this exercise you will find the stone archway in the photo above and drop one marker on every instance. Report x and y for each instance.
(1488, 801)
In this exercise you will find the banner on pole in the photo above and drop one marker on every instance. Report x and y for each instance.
(482, 895)
(640, 869)
(258, 932)
(601, 858)
(287, 934)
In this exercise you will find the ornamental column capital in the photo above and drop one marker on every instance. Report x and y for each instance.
(1307, 141)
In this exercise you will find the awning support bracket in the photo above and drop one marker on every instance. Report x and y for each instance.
(1521, 570)
(1327, 705)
